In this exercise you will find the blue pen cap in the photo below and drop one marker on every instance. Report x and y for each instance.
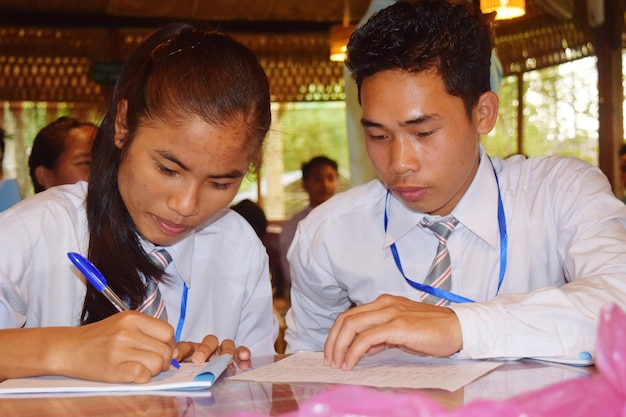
(88, 269)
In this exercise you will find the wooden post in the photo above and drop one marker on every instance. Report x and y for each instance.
(608, 50)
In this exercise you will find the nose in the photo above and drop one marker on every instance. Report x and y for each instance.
(184, 200)
(403, 157)
(329, 184)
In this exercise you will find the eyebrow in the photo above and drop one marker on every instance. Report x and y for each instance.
(418, 120)
(170, 157)
(235, 173)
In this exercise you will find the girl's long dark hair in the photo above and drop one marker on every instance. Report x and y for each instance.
(181, 69)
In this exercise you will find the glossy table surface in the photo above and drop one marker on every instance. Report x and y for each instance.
(273, 399)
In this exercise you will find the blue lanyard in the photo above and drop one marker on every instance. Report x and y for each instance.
(438, 292)
(183, 312)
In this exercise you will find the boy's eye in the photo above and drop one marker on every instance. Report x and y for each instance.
(426, 133)
(220, 186)
(373, 136)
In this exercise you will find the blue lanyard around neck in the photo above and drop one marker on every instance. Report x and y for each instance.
(183, 312)
(438, 292)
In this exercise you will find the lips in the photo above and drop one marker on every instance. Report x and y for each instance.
(169, 228)
(410, 194)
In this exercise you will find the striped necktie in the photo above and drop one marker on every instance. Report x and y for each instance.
(440, 271)
(153, 304)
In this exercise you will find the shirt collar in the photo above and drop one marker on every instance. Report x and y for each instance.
(477, 210)
(181, 253)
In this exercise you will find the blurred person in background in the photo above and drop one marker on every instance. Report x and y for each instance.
(1, 154)
(61, 153)
(319, 179)
(9, 191)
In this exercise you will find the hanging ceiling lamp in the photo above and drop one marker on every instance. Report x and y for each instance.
(505, 9)
(340, 34)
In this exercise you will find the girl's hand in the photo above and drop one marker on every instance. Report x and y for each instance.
(126, 347)
(201, 352)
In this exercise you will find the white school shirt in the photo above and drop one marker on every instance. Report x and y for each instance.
(566, 258)
(224, 265)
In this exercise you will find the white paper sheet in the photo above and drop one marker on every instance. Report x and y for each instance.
(391, 368)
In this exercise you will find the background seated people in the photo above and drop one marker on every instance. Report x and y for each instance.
(320, 178)
(254, 214)
(61, 153)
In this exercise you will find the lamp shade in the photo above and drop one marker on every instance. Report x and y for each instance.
(339, 36)
(505, 9)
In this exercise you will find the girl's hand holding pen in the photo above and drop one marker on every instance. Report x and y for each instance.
(126, 347)
(95, 277)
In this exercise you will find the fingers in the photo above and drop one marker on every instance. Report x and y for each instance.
(341, 334)
(358, 334)
(152, 336)
(240, 353)
(130, 347)
(184, 350)
(150, 326)
(201, 352)
(391, 321)
(227, 346)
(135, 372)
(243, 353)
(205, 349)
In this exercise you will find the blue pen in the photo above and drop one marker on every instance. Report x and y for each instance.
(95, 277)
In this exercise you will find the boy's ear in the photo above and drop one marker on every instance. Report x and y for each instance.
(44, 176)
(487, 112)
(121, 131)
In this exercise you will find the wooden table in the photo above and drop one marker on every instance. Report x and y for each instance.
(271, 399)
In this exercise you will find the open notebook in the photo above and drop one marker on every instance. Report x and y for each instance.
(189, 377)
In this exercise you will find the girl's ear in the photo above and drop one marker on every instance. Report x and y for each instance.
(121, 131)
(487, 112)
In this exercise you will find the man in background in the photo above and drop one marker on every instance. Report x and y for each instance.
(319, 180)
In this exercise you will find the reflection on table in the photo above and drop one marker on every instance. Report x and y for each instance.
(271, 399)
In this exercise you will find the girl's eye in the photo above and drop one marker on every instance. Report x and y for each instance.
(165, 170)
